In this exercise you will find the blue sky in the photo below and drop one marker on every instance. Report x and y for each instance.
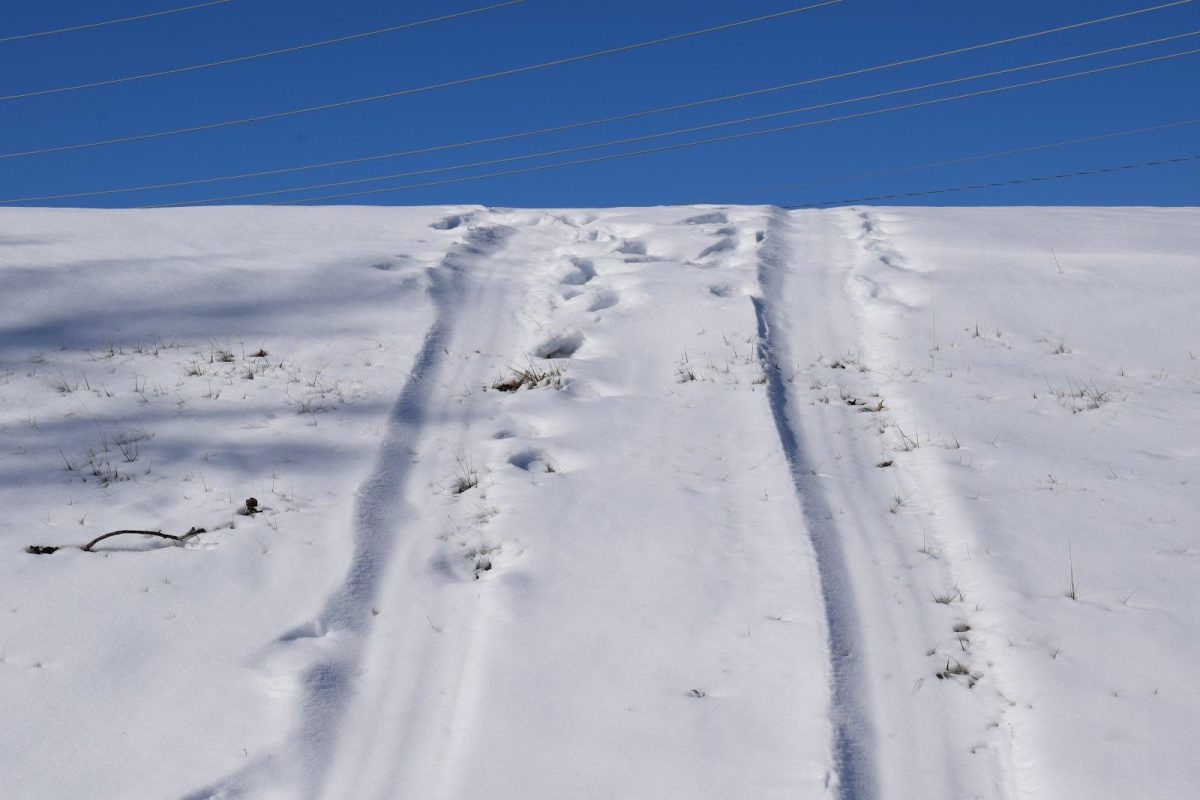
(808, 165)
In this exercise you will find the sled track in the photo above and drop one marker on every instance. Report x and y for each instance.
(378, 505)
(327, 686)
(851, 729)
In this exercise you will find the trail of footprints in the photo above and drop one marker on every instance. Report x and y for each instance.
(475, 548)
(568, 295)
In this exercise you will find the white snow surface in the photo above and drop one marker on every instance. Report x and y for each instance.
(861, 503)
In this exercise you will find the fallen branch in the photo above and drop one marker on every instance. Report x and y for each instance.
(43, 550)
(179, 539)
(249, 509)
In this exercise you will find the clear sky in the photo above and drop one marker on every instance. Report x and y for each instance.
(796, 167)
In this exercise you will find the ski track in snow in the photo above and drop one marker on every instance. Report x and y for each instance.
(379, 515)
(852, 746)
(379, 512)
(416, 720)
(864, 553)
(948, 532)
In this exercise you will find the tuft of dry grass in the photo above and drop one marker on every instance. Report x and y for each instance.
(531, 376)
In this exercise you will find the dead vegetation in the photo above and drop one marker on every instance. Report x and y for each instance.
(530, 376)
(1085, 396)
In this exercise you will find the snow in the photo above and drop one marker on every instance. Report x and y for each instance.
(857, 503)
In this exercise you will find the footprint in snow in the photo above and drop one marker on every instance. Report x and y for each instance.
(580, 272)
(723, 246)
(449, 223)
(532, 460)
(562, 345)
(713, 218)
(602, 300)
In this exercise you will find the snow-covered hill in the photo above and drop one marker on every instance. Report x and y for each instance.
(638, 503)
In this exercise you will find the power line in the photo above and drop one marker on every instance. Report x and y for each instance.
(980, 156)
(264, 54)
(603, 120)
(728, 137)
(426, 88)
(997, 184)
(699, 128)
(108, 22)
(447, 17)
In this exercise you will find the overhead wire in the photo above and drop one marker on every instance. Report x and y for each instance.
(263, 54)
(728, 137)
(700, 128)
(608, 119)
(975, 157)
(997, 184)
(420, 89)
(108, 22)
(495, 6)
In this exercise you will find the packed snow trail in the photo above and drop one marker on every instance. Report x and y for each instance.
(387, 728)
(379, 515)
(901, 733)
(852, 746)
(1046, 393)
(335, 638)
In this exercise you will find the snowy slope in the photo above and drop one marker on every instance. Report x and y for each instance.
(860, 503)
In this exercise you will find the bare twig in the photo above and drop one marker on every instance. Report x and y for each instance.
(42, 550)
(1054, 255)
(180, 539)
(1074, 593)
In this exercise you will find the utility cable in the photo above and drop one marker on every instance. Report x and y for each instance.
(107, 22)
(592, 122)
(728, 137)
(264, 54)
(996, 184)
(427, 88)
(366, 34)
(700, 128)
(976, 157)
